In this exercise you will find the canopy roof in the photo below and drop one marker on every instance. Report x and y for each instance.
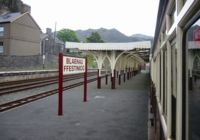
(109, 46)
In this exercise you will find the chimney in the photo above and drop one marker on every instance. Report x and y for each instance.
(48, 31)
(25, 8)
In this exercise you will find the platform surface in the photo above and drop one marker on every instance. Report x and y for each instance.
(119, 114)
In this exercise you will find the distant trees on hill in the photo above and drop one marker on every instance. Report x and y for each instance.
(67, 35)
(95, 38)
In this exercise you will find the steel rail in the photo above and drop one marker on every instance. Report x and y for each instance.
(20, 102)
(35, 84)
(18, 82)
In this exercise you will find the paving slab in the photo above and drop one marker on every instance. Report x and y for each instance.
(120, 114)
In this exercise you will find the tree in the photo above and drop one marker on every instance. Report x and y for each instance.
(11, 5)
(94, 37)
(67, 35)
(91, 61)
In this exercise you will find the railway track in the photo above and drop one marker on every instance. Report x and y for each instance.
(15, 86)
(20, 102)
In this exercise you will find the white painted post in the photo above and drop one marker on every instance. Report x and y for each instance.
(169, 92)
(179, 116)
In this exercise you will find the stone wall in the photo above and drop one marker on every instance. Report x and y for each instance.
(25, 75)
(28, 62)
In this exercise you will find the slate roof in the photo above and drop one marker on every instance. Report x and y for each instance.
(9, 17)
(44, 35)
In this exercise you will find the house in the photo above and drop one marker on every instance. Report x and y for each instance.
(50, 44)
(19, 35)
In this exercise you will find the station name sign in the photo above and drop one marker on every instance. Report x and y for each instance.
(70, 65)
(73, 65)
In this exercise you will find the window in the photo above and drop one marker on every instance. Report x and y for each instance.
(193, 76)
(173, 87)
(1, 47)
(1, 31)
(196, 64)
(164, 82)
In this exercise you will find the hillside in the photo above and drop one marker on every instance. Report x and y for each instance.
(112, 35)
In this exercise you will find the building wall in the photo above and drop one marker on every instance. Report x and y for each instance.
(23, 48)
(24, 37)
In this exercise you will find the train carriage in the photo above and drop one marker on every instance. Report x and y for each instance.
(175, 71)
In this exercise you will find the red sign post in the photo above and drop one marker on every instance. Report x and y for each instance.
(85, 82)
(70, 65)
(60, 84)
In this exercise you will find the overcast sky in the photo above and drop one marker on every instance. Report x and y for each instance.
(127, 16)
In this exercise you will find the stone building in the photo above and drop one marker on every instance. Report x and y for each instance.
(19, 34)
(50, 44)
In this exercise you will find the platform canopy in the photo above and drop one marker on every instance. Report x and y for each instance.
(118, 56)
(109, 46)
(139, 48)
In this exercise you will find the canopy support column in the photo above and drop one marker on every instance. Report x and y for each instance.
(99, 59)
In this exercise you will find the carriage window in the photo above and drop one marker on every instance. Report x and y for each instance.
(196, 63)
(173, 87)
(193, 60)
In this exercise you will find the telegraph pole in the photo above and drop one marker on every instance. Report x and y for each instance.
(54, 43)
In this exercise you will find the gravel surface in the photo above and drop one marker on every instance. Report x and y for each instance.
(30, 92)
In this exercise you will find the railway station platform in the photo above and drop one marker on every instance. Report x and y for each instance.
(109, 114)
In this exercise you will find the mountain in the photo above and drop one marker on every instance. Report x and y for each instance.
(112, 35)
(141, 36)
